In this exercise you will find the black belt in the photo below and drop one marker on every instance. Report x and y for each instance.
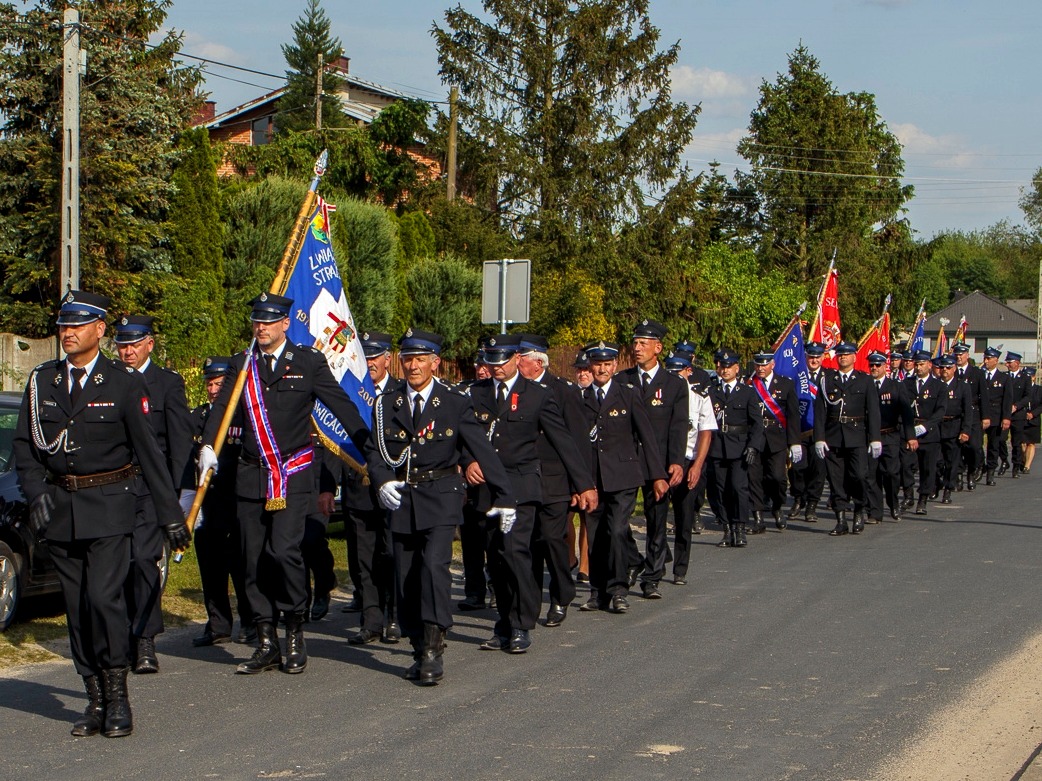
(426, 476)
(847, 419)
(736, 429)
(255, 461)
(952, 417)
(79, 482)
(890, 430)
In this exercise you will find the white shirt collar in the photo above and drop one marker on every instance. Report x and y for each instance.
(424, 394)
(650, 372)
(508, 383)
(277, 352)
(89, 367)
(595, 387)
(145, 365)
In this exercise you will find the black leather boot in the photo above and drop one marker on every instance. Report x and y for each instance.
(920, 508)
(841, 525)
(798, 506)
(94, 715)
(859, 522)
(739, 536)
(990, 480)
(296, 653)
(946, 496)
(759, 527)
(431, 667)
(727, 541)
(908, 502)
(779, 522)
(118, 719)
(413, 673)
(145, 659)
(268, 655)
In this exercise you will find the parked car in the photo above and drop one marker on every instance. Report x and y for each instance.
(26, 569)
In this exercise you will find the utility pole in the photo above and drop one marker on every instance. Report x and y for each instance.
(70, 215)
(318, 94)
(451, 162)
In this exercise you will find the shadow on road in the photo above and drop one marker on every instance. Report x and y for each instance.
(37, 698)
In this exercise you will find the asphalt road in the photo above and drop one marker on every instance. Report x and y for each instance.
(802, 656)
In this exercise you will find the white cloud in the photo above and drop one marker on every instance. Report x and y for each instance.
(196, 44)
(699, 83)
(943, 151)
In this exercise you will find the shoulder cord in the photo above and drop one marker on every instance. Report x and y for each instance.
(381, 444)
(34, 423)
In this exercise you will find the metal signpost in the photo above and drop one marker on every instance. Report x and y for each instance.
(505, 292)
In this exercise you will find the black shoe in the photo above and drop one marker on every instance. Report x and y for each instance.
(1025, 470)
(895, 513)
(779, 522)
(268, 656)
(320, 607)
(392, 633)
(94, 715)
(934, 495)
(495, 643)
(591, 605)
(728, 540)
(873, 520)
(365, 636)
(990, 478)
(520, 641)
(812, 515)
(247, 635)
(1016, 472)
(634, 573)
(432, 669)
(354, 606)
(491, 599)
(119, 721)
(472, 603)
(946, 496)
(145, 660)
(739, 536)
(798, 506)
(619, 604)
(210, 637)
(679, 580)
(556, 615)
(841, 526)
(698, 527)
(920, 508)
(859, 523)
(759, 527)
(971, 485)
(1003, 468)
(651, 591)
(296, 652)
(582, 577)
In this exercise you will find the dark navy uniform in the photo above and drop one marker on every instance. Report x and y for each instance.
(807, 478)
(895, 430)
(973, 450)
(1020, 399)
(956, 425)
(928, 397)
(996, 404)
(846, 419)
(781, 428)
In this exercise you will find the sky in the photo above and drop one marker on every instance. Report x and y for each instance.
(950, 77)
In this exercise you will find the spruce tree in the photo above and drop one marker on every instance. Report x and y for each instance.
(311, 36)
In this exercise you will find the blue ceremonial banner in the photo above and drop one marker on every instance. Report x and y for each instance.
(322, 319)
(919, 333)
(791, 361)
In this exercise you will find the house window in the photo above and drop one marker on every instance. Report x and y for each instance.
(980, 344)
(261, 131)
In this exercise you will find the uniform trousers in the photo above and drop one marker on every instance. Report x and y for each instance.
(318, 558)
(423, 581)
(996, 451)
(218, 550)
(909, 464)
(687, 503)
(144, 589)
(550, 545)
(373, 553)
(1017, 439)
(847, 469)
(808, 478)
(607, 528)
(510, 559)
(884, 477)
(656, 514)
(474, 535)
(731, 483)
(951, 457)
(970, 451)
(92, 574)
(767, 485)
(927, 456)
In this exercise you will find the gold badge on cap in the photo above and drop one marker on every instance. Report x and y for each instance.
(408, 333)
(264, 297)
(124, 321)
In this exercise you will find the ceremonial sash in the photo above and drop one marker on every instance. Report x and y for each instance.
(279, 469)
(769, 402)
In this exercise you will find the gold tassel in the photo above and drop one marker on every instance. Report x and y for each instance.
(272, 505)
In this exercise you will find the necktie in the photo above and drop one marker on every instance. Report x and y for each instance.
(879, 385)
(727, 391)
(417, 408)
(269, 364)
(921, 383)
(77, 385)
(645, 380)
(600, 396)
(501, 397)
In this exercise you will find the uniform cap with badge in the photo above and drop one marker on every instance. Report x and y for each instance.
(79, 307)
(649, 329)
(676, 362)
(1012, 356)
(582, 360)
(992, 352)
(876, 358)
(726, 357)
(532, 343)
(601, 351)
(133, 328)
(943, 361)
(501, 348)
(417, 342)
(376, 343)
(960, 348)
(762, 359)
(270, 308)
(215, 366)
(922, 356)
(814, 349)
(846, 348)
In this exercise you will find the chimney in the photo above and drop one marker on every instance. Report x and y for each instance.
(204, 113)
(343, 64)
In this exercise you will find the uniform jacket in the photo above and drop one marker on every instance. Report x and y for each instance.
(301, 375)
(739, 421)
(959, 417)
(996, 396)
(447, 428)
(1020, 395)
(895, 410)
(171, 420)
(928, 406)
(107, 429)
(354, 493)
(973, 378)
(556, 485)
(223, 482)
(846, 414)
(624, 452)
(530, 414)
(783, 391)
(666, 401)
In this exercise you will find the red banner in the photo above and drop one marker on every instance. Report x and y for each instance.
(876, 340)
(827, 326)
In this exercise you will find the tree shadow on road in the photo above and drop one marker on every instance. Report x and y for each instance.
(39, 699)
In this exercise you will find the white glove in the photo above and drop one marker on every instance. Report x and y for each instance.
(507, 517)
(920, 430)
(822, 449)
(875, 449)
(207, 461)
(796, 453)
(390, 494)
